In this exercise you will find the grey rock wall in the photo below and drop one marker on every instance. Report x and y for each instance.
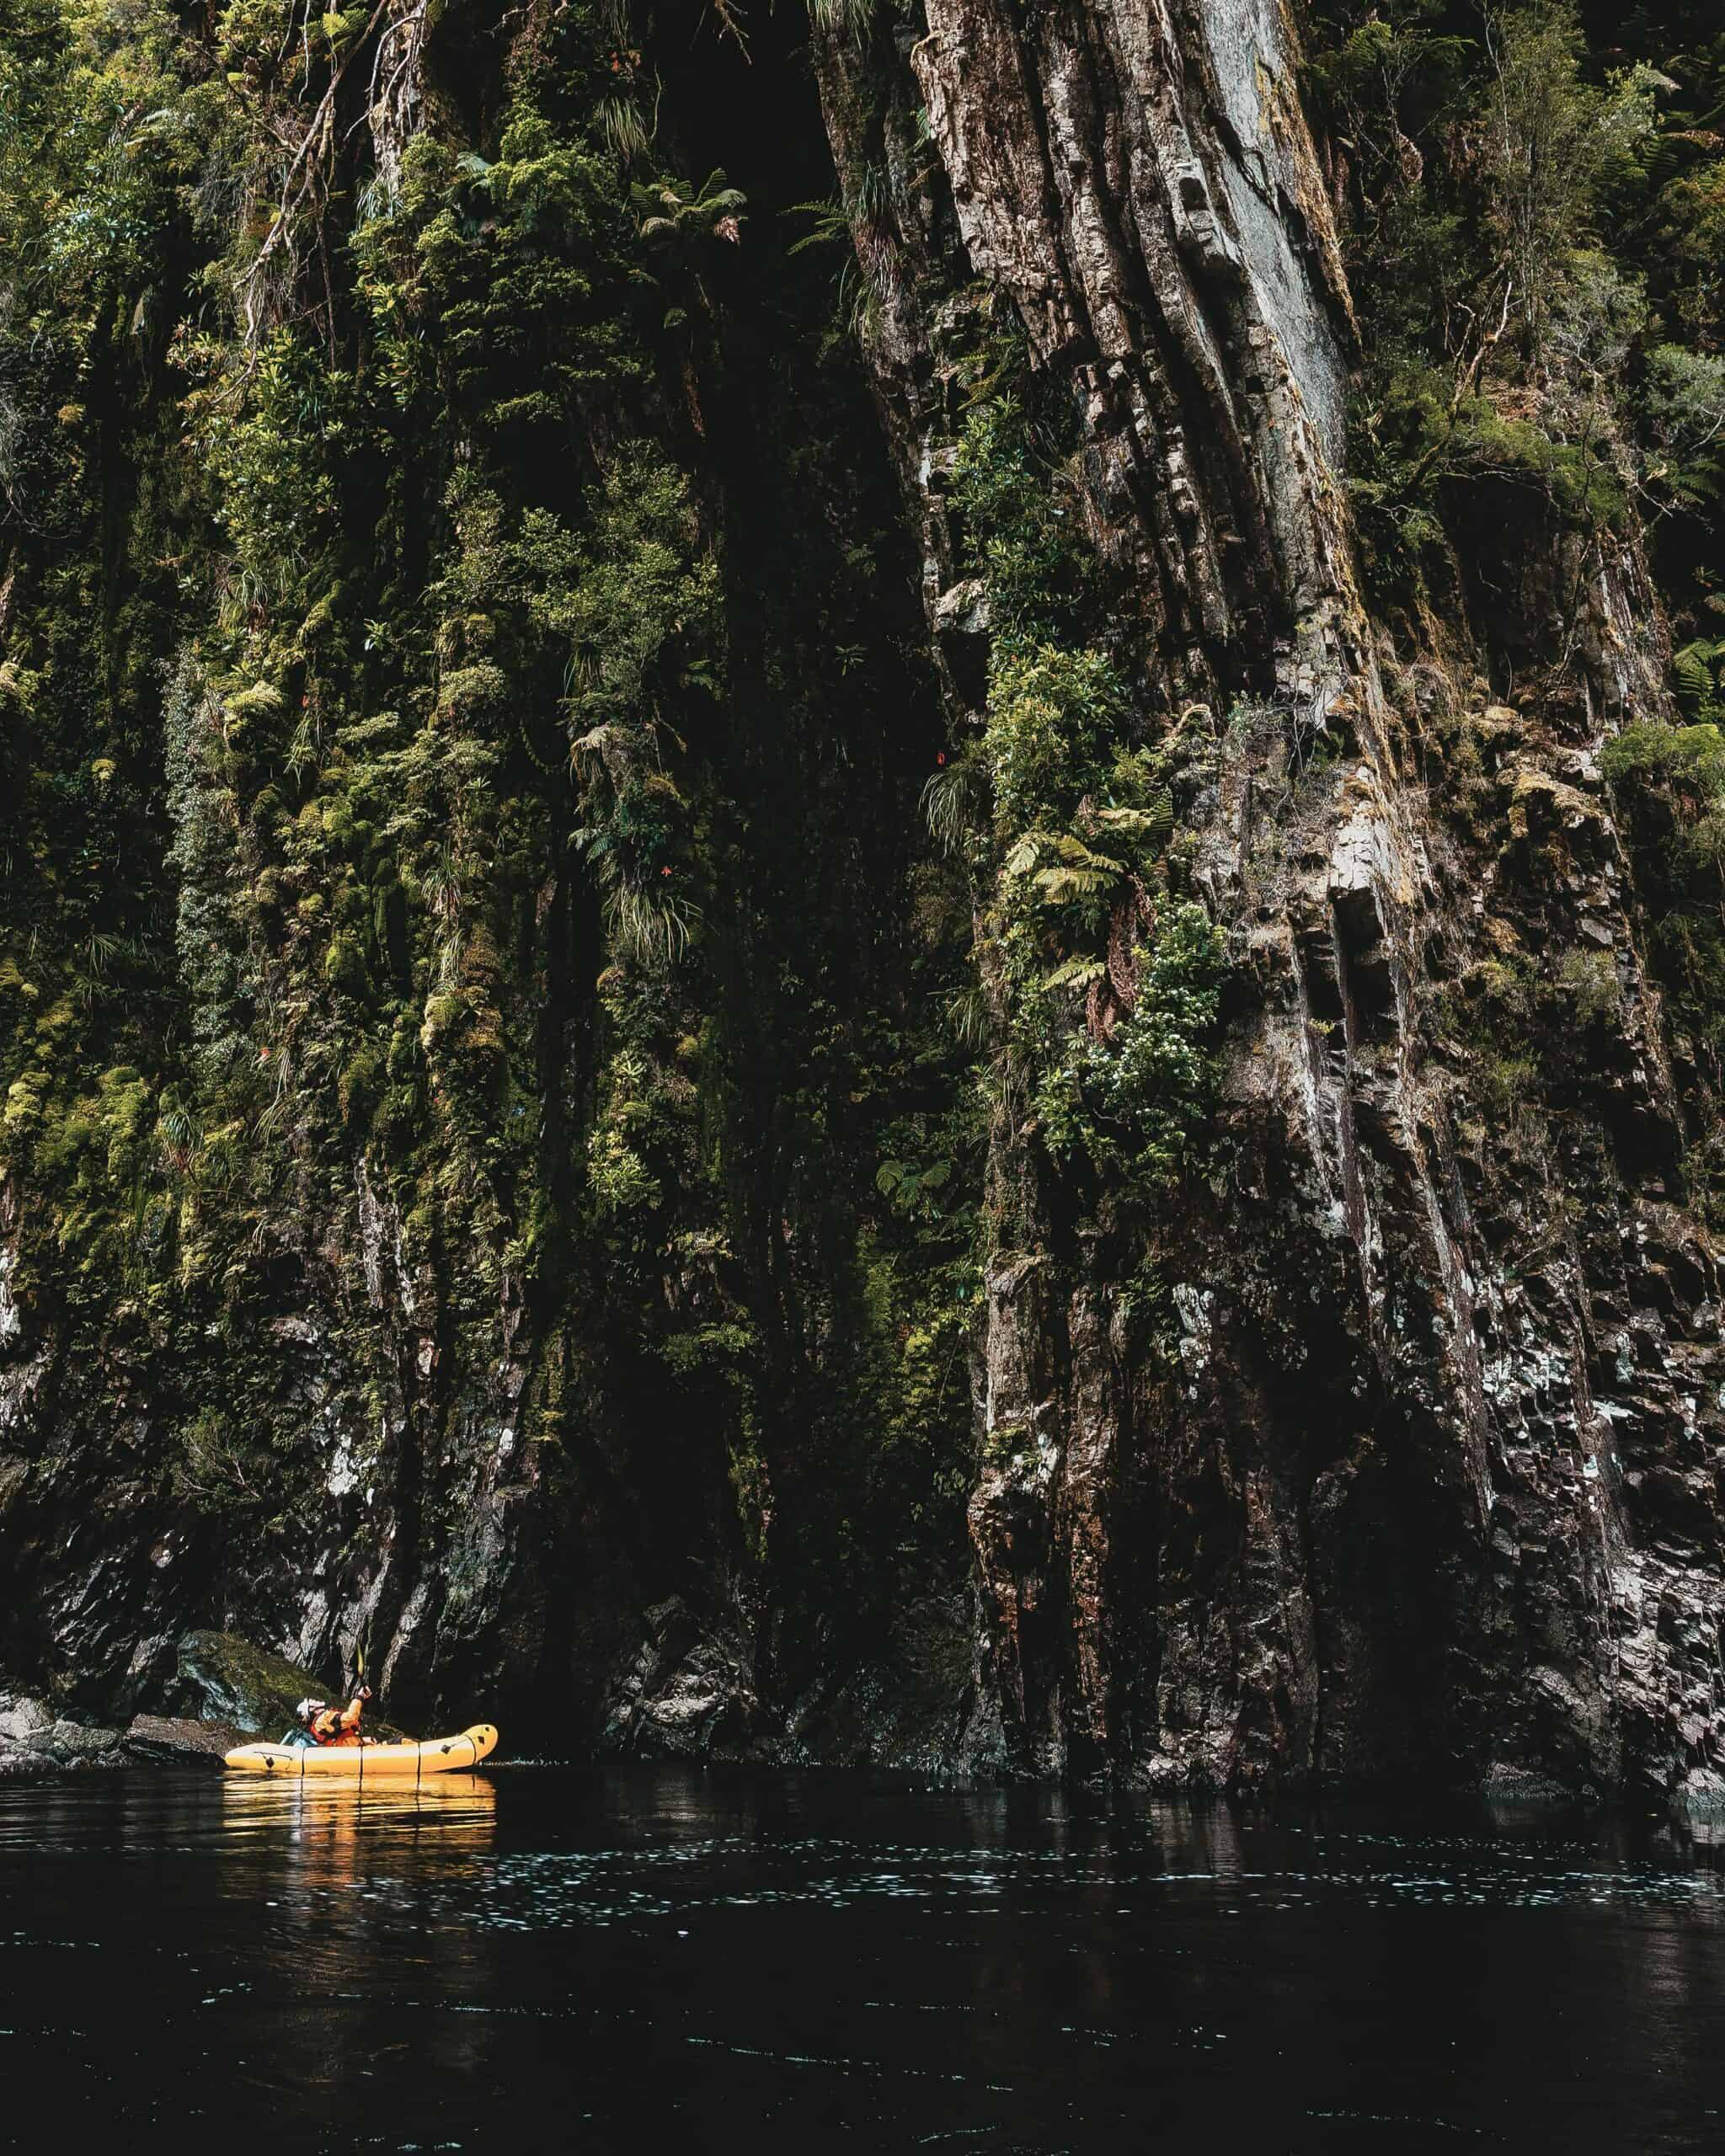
(1426, 1478)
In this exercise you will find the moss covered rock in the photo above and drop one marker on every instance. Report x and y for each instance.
(225, 1679)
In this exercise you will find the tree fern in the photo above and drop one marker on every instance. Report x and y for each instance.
(674, 209)
(907, 1186)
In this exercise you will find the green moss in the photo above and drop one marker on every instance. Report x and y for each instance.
(1671, 781)
(344, 965)
(1083, 825)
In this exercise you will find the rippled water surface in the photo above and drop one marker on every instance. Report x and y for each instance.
(671, 1959)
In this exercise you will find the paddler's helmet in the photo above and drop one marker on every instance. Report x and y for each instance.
(307, 1708)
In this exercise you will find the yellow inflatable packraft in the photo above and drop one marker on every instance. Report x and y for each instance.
(435, 1755)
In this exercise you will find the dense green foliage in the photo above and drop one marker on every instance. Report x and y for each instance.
(441, 770)
(1107, 977)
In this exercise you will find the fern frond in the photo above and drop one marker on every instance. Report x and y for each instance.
(1154, 821)
(1694, 675)
(1083, 856)
(831, 227)
(1076, 972)
(1066, 886)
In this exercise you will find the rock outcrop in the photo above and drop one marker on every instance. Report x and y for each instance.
(223, 1692)
(36, 1743)
(182, 1739)
(1427, 1477)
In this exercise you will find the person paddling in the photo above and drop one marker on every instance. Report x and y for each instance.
(341, 1725)
(321, 1723)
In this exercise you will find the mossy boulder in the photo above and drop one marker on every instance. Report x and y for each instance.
(224, 1678)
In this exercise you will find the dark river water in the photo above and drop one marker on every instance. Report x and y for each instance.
(679, 1960)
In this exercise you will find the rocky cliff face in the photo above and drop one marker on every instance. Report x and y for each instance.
(1399, 1496)
(1379, 1435)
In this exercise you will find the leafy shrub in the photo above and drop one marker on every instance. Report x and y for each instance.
(1138, 1099)
(1052, 714)
(1112, 1039)
(1589, 979)
(617, 1178)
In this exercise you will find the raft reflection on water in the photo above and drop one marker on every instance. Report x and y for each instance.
(255, 1803)
(328, 1824)
(333, 1858)
(334, 1872)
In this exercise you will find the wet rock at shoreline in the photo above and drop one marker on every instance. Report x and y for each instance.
(171, 1736)
(35, 1742)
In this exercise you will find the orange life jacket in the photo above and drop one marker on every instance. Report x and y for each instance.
(337, 1725)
